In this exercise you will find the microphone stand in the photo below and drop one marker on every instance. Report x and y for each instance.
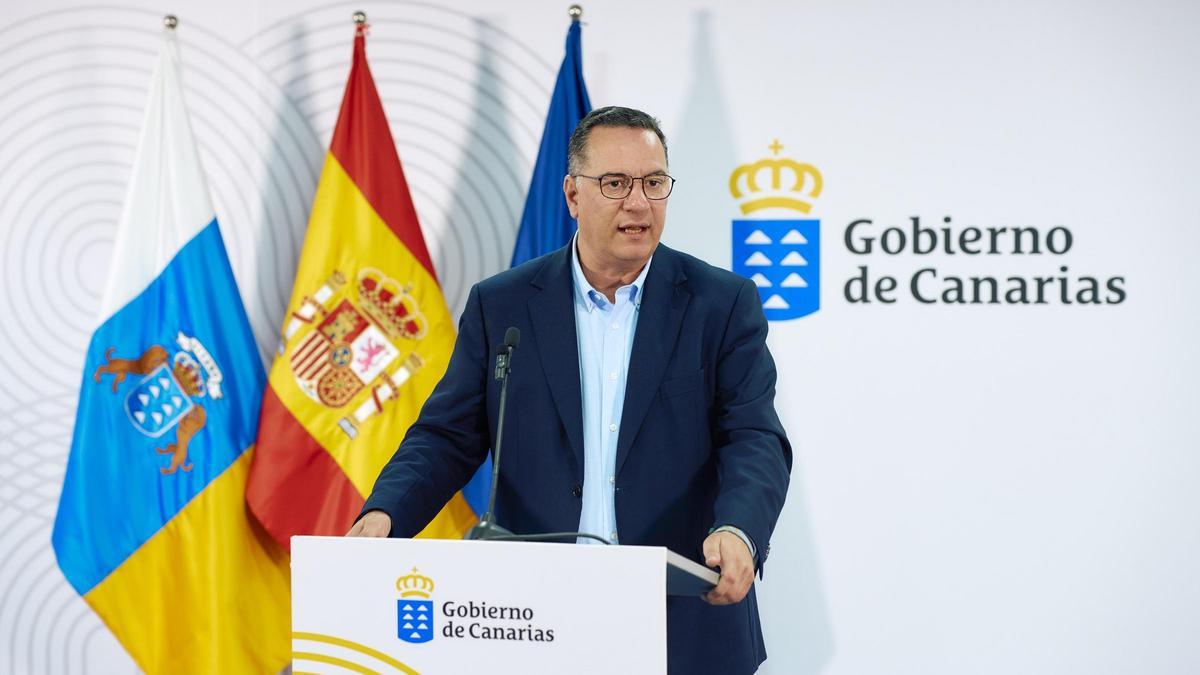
(487, 527)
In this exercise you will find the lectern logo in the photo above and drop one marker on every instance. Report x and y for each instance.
(414, 609)
(780, 255)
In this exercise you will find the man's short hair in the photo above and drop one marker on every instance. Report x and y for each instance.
(611, 116)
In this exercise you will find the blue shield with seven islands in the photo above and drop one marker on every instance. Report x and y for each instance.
(782, 258)
(157, 403)
(414, 620)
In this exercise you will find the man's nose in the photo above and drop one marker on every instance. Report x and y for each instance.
(636, 199)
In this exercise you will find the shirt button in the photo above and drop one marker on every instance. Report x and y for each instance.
(612, 427)
(615, 325)
(612, 479)
(612, 375)
(613, 536)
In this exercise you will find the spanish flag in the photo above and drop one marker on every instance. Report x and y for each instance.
(366, 338)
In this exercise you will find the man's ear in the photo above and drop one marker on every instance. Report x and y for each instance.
(571, 192)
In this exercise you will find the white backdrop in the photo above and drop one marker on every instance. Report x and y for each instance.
(990, 488)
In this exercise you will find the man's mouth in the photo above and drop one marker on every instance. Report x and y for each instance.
(633, 229)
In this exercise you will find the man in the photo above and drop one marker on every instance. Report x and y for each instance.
(641, 401)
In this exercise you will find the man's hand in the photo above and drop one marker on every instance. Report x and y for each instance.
(374, 524)
(727, 551)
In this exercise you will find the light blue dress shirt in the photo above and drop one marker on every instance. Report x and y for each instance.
(605, 334)
(605, 330)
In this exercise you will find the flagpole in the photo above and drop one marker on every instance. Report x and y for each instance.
(360, 24)
(170, 22)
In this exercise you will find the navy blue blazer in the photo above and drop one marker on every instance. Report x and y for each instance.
(700, 444)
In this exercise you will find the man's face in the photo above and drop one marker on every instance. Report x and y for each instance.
(618, 233)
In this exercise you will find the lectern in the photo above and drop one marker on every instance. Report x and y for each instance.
(433, 606)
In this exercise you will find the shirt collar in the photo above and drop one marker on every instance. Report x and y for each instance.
(588, 296)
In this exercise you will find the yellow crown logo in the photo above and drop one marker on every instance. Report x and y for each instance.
(799, 197)
(415, 586)
(391, 305)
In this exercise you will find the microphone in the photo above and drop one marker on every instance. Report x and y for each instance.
(487, 528)
(512, 338)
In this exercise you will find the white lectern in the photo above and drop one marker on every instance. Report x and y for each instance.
(433, 606)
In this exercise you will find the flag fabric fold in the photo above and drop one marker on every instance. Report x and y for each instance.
(152, 528)
(546, 225)
(366, 338)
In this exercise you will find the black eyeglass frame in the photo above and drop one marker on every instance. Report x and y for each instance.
(600, 179)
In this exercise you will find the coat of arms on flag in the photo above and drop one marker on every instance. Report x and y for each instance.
(343, 340)
(168, 394)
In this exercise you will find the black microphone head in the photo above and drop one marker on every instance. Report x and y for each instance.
(512, 337)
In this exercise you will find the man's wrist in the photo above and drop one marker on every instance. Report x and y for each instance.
(740, 535)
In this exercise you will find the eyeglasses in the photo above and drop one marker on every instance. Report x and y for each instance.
(619, 185)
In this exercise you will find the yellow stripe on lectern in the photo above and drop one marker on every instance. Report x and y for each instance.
(347, 644)
(334, 661)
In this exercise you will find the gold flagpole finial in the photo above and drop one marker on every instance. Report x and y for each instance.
(360, 18)
(575, 11)
(170, 22)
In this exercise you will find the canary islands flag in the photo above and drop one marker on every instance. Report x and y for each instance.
(152, 528)
(366, 337)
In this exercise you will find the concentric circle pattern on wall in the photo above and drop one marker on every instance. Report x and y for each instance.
(465, 100)
(957, 462)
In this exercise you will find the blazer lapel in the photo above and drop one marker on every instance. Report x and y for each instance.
(552, 314)
(661, 314)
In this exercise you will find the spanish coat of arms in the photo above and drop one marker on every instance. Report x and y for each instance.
(342, 340)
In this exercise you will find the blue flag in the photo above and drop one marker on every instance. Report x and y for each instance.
(546, 225)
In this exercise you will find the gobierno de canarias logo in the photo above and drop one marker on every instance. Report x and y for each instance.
(782, 256)
(414, 609)
(471, 619)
